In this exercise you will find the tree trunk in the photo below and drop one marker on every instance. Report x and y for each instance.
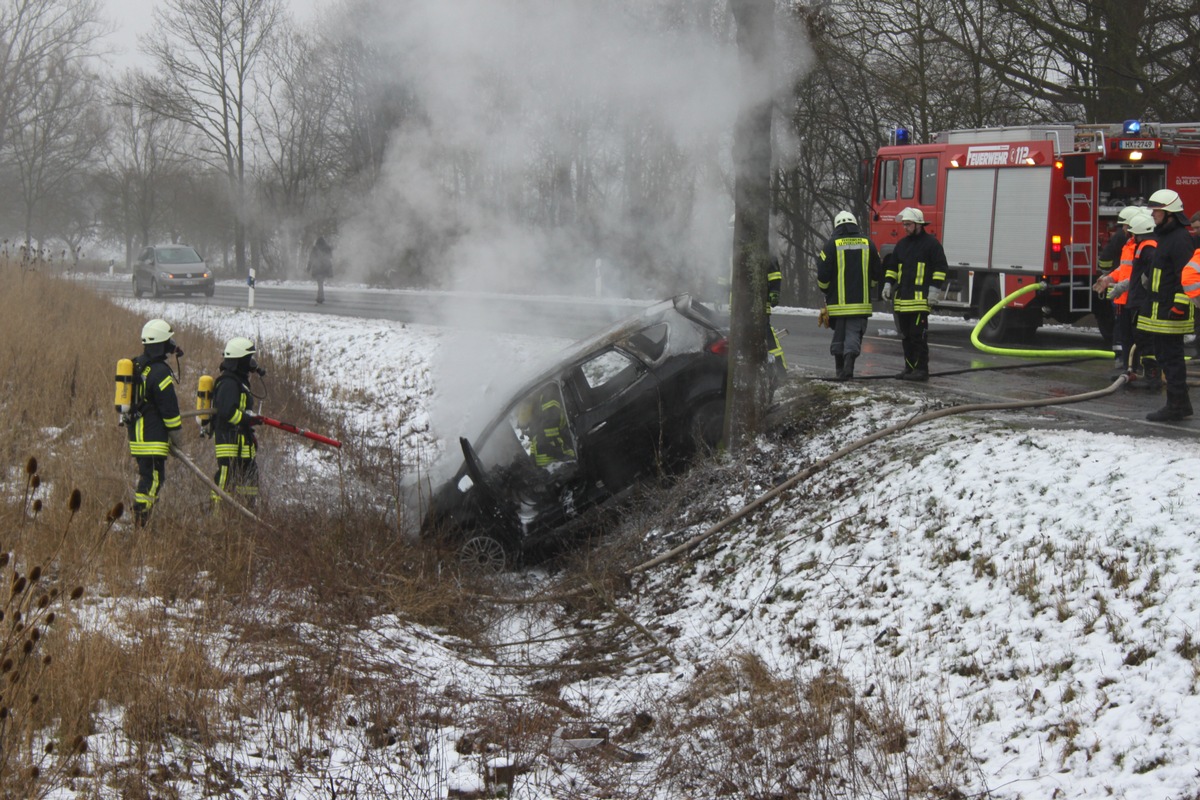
(746, 398)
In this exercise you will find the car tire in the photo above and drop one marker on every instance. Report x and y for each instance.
(482, 554)
(154, 288)
(999, 328)
(137, 288)
(210, 291)
(707, 426)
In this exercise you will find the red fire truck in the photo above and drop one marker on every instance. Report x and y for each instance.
(1018, 205)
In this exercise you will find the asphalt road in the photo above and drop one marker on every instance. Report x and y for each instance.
(959, 371)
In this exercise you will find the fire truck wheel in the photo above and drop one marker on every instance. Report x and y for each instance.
(1001, 326)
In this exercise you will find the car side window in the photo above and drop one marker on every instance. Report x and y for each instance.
(606, 375)
(649, 342)
(146, 255)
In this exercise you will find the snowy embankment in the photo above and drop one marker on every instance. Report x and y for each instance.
(1030, 596)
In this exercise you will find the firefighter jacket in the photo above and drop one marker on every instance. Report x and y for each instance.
(232, 430)
(1168, 309)
(848, 269)
(1122, 275)
(155, 407)
(1138, 297)
(551, 441)
(1114, 247)
(1191, 278)
(917, 263)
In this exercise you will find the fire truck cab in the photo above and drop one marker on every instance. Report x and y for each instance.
(1019, 205)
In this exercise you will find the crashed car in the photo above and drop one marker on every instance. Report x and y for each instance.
(635, 400)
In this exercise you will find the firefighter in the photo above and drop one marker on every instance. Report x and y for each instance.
(1116, 303)
(847, 272)
(914, 275)
(549, 435)
(1169, 312)
(153, 420)
(233, 420)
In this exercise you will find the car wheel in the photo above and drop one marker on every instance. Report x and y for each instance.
(707, 425)
(482, 553)
(1001, 326)
(155, 289)
(137, 287)
(210, 291)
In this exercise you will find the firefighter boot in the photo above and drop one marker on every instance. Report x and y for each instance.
(1178, 407)
(141, 514)
(847, 372)
(839, 364)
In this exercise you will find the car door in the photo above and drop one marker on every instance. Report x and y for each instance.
(617, 425)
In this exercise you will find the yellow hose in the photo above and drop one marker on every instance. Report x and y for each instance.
(1010, 351)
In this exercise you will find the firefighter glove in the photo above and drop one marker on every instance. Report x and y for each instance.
(886, 293)
(1118, 289)
(823, 318)
(773, 298)
(252, 418)
(175, 436)
(936, 294)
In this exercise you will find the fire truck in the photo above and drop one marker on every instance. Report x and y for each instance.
(1018, 205)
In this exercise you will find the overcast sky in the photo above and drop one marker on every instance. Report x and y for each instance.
(133, 18)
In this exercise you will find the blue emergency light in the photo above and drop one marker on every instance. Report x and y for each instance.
(1132, 127)
(901, 135)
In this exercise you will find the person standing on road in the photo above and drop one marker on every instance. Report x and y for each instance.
(915, 272)
(848, 269)
(1116, 255)
(153, 420)
(233, 420)
(320, 265)
(1170, 312)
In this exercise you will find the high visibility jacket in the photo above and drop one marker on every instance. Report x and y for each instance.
(232, 434)
(848, 268)
(1114, 247)
(1122, 273)
(1169, 310)
(1190, 282)
(155, 408)
(917, 263)
(551, 442)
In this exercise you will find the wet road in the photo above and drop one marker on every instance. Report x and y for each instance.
(960, 372)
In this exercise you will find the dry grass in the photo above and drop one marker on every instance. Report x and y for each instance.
(180, 642)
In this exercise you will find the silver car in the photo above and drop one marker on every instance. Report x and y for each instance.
(171, 268)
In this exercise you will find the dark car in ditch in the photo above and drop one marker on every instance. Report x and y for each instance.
(638, 399)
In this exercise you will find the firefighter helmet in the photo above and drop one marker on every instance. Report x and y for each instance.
(1141, 224)
(1128, 213)
(239, 347)
(155, 331)
(1166, 200)
(844, 218)
(911, 214)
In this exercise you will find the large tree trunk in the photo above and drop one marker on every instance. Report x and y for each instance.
(746, 398)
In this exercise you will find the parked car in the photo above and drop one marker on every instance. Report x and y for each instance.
(638, 398)
(171, 268)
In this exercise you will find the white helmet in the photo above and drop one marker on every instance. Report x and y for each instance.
(155, 331)
(844, 218)
(239, 347)
(1128, 213)
(911, 214)
(1141, 224)
(1166, 199)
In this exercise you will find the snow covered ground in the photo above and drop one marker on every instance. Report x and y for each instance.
(1030, 597)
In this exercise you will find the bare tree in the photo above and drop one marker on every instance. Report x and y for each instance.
(206, 53)
(59, 136)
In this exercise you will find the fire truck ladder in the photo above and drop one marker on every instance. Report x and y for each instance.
(1081, 203)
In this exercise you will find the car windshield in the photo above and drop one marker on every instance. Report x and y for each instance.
(531, 443)
(178, 255)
